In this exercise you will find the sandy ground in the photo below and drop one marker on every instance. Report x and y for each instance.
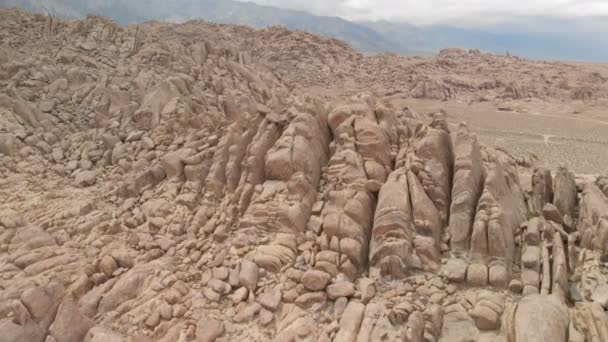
(574, 134)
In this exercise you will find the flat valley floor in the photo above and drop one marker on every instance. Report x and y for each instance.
(574, 134)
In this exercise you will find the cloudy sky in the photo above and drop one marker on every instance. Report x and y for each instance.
(424, 12)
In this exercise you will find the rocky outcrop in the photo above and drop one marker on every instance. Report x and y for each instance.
(468, 185)
(592, 221)
(357, 167)
(284, 203)
(160, 186)
(542, 189)
(565, 195)
(392, 240)
(541, 318)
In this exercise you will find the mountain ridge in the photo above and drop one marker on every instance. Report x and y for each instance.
(539, 38)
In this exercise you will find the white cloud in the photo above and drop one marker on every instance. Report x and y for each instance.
(444, 11)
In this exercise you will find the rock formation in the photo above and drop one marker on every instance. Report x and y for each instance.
(164, 182)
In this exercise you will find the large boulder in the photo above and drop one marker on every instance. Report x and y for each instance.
(541, 319)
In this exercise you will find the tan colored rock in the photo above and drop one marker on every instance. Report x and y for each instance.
(153, 319)
(592, 204)
(208, 329)
(600, 295)
(219, 195)
(541, 318)
(311, 298)
(248, 276)
(367, 288)
(350, 322)
(542, 190)
(126, 288)
(246, 312)
(270, 299)
(108, 265)
(551, 213)
(315, 280)
(100, 334)
(37, 301)
(70, 324)
(240, 295)
(340, 289)
(266, 317)
(565, 195)
(435, 150)
(393, 232)
(467, 188)
(85, 179)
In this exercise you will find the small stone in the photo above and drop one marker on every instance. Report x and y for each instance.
(308, 299)
(153, 319)
(147, 143)
(248, 275)
(516, 286)
(367, 287)
(477, 275)
(246, 312)
(600, 296)
(574, 294)
(165, 310)
(266, 317)
(294, 274)
(451, 289)
(211, 295)
(219, 286)
(99, 278)
(456, 270)
(47, 106)
(314, 224)
(108, 265)
(37, 301)
(551, 213)
(529, 290)
(437, 297)
(485, 318)
(290, 296)
(220, 234)
(233, 278)
(179, 310)
(135, 136)
(85, 178)
(436, 281)
(208, 329)
(270, 299)
(315, 280)
(317, 207)
(339, 306)
(220, 273)
(341, 289)
(240, 295)
(499, 276)
(172, 296)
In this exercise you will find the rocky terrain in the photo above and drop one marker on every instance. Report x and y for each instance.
(202, 182)
(534, 36)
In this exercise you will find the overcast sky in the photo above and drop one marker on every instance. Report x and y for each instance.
(444, 11)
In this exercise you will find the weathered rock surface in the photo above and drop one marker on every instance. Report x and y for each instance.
(163, 182)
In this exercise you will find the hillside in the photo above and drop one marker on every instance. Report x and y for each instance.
(217, 11)
(210, 182)
(532, 37)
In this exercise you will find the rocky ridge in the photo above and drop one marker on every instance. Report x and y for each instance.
(175, 183)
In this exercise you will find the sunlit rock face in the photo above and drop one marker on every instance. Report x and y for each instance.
(166, 182)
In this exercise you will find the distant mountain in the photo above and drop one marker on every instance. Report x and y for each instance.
(541, 38)
(359, 36)
(573, 39)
